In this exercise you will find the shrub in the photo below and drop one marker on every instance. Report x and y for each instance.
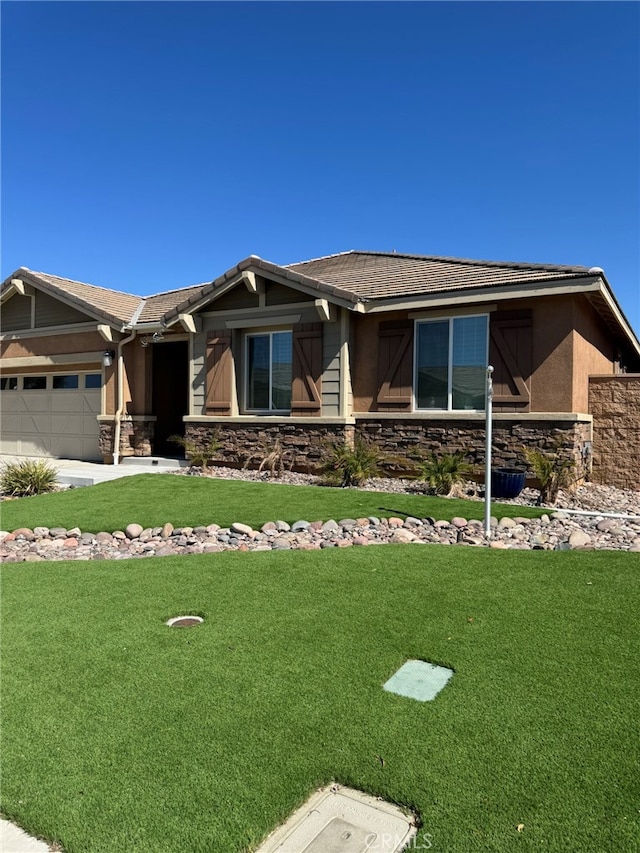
(351, 466)
(442, 473)
(198, 456)
(552, 470)
(29, 477)
(274, 458)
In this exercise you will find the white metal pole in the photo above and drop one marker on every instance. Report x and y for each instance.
(487, 454)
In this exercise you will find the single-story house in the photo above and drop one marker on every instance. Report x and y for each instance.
(389, 346)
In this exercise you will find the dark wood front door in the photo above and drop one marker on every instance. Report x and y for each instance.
(170, 394)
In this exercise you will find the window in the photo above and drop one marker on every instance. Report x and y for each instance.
(63, 382)
(269, 372)
(34, 383)
(451, 361)
(93, 380)
(9, 383)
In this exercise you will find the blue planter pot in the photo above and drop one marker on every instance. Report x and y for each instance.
(507, 482)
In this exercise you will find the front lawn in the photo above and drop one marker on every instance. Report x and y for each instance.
(153, 499)
(122, 735)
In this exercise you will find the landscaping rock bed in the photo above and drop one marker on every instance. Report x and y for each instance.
(556, 530)
(551, 532)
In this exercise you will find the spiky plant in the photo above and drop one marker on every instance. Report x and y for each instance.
(29, 477)
(351, 465)
(443, 472)
(199, 455)
(552, 470)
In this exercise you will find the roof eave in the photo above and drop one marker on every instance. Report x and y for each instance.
(233, 276)
(70, 299)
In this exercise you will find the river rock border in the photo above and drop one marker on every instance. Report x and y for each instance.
(555, 532)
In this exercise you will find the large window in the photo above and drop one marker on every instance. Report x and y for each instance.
(451, 360)
(269, 364)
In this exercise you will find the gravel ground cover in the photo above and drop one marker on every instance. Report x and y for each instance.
(554, 530)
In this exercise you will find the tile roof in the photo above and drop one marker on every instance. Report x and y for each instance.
(155, 307)
(113, 305)
(378, 275)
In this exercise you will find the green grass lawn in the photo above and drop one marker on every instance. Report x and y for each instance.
(122, 735)
(153, 499)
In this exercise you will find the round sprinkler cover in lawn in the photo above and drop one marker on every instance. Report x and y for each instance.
(184, 621)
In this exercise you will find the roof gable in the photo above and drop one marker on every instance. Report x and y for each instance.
(99, 303)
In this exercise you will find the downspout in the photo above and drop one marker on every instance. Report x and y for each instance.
(120, 382)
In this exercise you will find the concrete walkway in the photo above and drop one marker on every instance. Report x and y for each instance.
(73, 472)
(15, 840)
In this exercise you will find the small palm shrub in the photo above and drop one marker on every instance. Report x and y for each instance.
(552, 470)
(351, 466)
(442, 473)
(198, 455)
(29, 477)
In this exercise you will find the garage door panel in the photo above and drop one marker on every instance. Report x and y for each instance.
(34, 423)
(75, 401)
(54, 422)
(35, 404)
(35, 446)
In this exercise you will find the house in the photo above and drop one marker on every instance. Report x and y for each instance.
(390, 346)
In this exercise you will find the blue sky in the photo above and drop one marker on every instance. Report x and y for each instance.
(147, 146)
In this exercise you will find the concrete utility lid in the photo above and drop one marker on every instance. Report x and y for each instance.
(341, 820)
(418, 679)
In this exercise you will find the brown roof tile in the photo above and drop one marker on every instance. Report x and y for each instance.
(113, 305)
(376, 275)
(155, 307)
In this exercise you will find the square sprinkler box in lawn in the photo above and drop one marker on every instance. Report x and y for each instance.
(418, 679)
(341, 820)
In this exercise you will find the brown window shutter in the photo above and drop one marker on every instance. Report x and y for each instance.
(219, 373)
(395, 366)
(510, 354)
(306, 384)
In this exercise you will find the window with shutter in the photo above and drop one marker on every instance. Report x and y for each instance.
(451, 362)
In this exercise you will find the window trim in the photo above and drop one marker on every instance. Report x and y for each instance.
(245, 396)
(450, 319)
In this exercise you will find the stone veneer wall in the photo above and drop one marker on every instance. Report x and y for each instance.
(614, 402)
(136, 437)
(305, 445)
(406, 438)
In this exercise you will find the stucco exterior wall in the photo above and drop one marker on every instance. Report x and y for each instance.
(614, 402)
(59, 343)
(364, 357)
(594, 352)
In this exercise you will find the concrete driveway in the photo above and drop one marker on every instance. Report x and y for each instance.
(73, 472)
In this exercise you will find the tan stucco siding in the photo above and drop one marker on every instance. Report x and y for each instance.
(54, 344)
(594, 352)
(552, 351)
(137, 374)
(364, 357)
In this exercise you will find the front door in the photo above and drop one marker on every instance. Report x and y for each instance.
(170, 394)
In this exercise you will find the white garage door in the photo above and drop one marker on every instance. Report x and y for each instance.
(51, 415)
